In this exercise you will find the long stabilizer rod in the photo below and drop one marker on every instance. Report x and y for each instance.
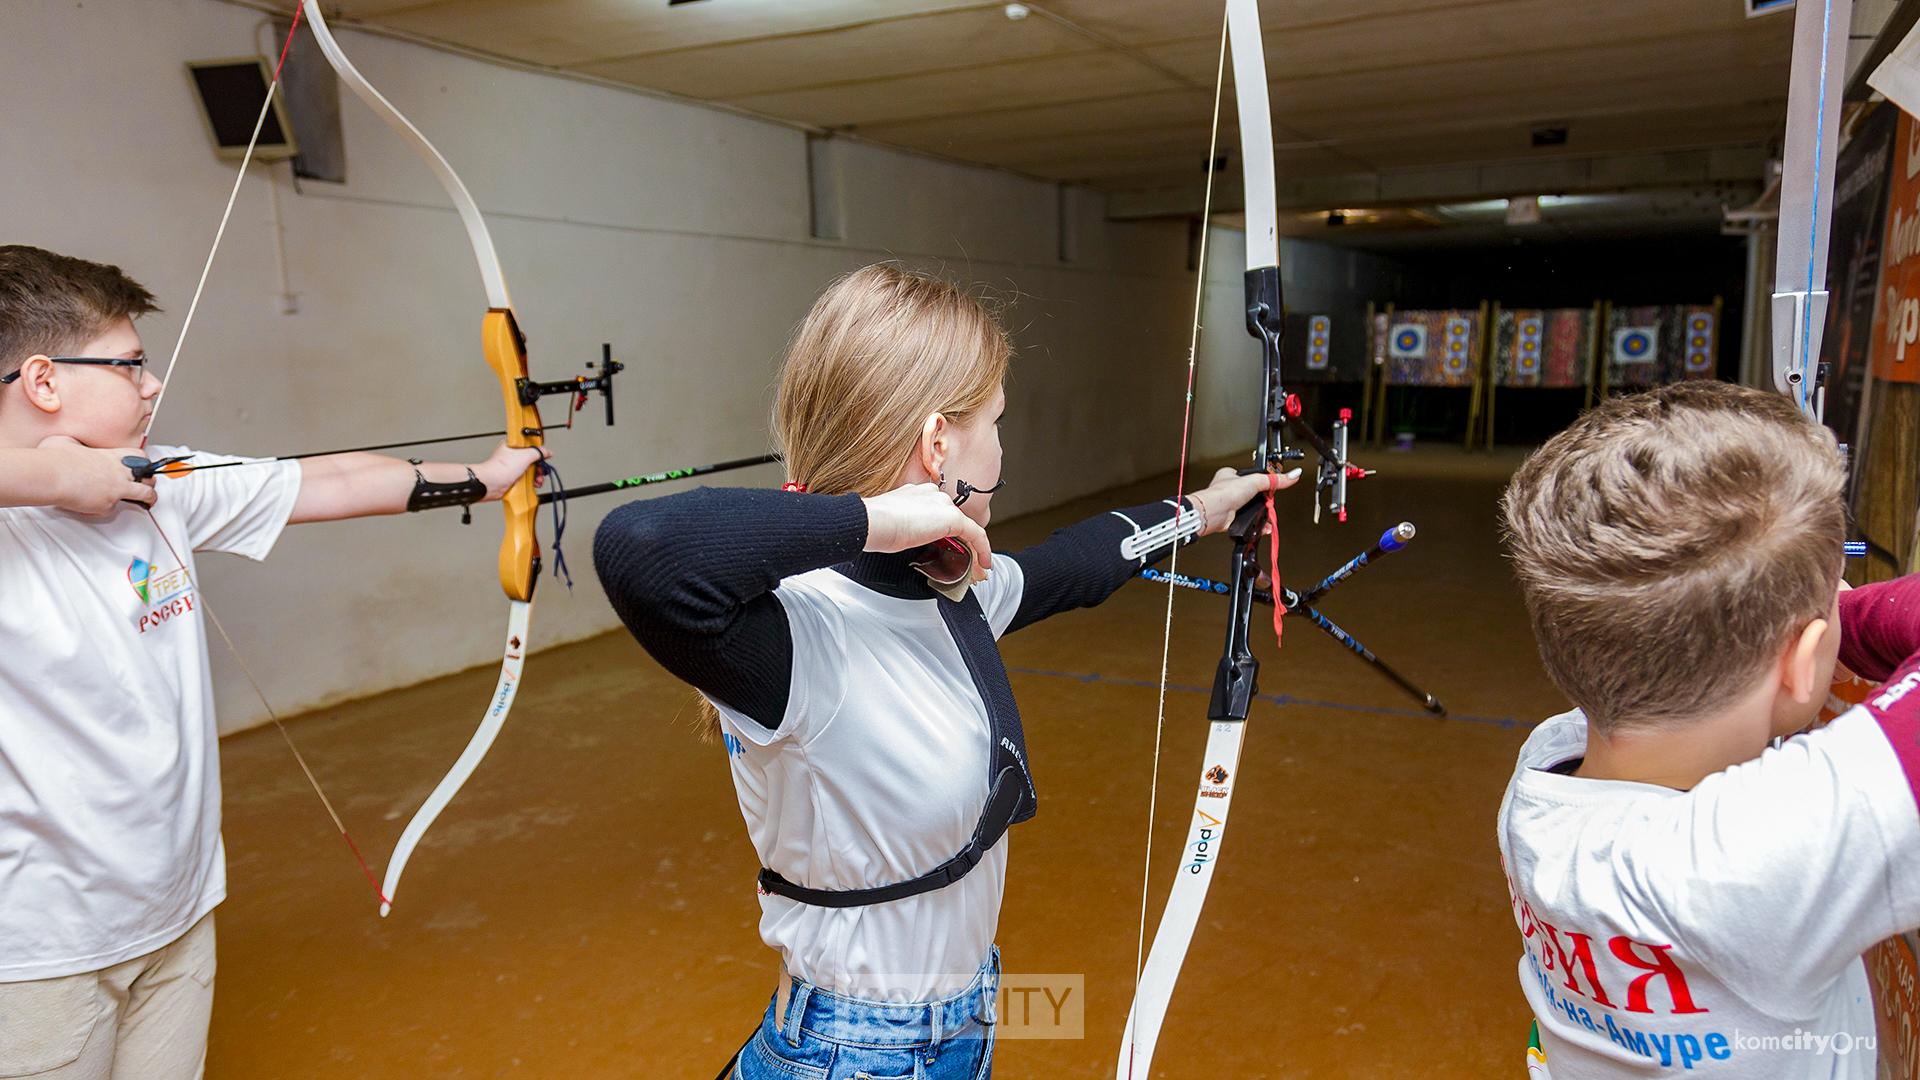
(1302, 604)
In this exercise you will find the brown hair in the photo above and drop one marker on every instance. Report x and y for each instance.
(1670, 544)
(882, 349)
(55, 303)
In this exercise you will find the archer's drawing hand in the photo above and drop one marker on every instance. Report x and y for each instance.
(1221, 500)
(916, 514)
(87, 480)
(504, 467)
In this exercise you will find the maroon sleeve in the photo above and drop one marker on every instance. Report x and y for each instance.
(1896, 708)
(1880, 642)
(1880, 627)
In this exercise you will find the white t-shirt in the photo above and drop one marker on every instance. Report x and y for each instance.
(1716, 931)
(876, 774)
(109, 765)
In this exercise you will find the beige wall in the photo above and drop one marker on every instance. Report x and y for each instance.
(677, 232)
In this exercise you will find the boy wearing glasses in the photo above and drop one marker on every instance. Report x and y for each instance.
(110, 854)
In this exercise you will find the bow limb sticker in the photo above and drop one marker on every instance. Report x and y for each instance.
(1213, 785)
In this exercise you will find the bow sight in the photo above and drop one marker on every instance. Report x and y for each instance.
(580, 386)
(1330, 479)
(1236, 679)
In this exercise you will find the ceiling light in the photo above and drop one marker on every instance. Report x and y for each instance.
(1524, 211)
(1016, 12)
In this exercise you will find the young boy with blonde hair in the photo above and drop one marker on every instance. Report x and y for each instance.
(110, 854)
(1695, 874)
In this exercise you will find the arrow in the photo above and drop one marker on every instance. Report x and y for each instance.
(657, 478)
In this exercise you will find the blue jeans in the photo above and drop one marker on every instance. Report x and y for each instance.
(826, 1036)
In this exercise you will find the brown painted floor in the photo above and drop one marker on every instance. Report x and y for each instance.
(586, 908)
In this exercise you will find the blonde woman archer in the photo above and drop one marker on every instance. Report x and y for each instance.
(843, 632)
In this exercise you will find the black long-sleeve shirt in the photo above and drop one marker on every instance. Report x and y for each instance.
(693, 576)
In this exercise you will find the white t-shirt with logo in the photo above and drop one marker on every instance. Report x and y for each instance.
(109, 767)
(876, 774)
(1716, 931)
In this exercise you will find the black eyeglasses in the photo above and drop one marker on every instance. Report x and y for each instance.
(95, 361)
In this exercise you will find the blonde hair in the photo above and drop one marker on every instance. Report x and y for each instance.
(882, 349)
(1670, 544)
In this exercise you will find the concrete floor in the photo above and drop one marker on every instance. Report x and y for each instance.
(586, 907)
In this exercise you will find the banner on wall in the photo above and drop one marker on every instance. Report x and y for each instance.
(1861, 173)
(1887, 484)
(1896, 317)
(1654, 346)
(1433, 348)
(1549, 349)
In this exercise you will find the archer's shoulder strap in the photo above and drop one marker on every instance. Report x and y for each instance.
(1011, 798)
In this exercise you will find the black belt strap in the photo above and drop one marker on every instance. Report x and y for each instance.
(1009, 791)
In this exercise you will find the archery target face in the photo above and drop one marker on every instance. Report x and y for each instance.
(1407, 341)
(1527, 335)
(1635, 344)
(1318, 332)
(1699, 343)
(1459, 334)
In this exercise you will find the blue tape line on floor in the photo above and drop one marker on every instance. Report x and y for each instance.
(1503, 722)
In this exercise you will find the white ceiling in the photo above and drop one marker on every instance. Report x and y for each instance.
(1376, 102)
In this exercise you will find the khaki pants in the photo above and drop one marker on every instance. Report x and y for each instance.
(144, 1019)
